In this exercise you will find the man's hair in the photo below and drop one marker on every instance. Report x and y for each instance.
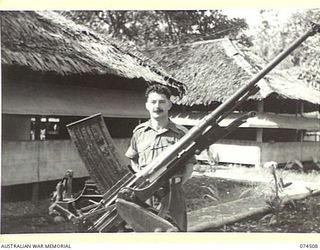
(159, 89)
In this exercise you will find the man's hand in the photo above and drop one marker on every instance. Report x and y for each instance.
(135, 165)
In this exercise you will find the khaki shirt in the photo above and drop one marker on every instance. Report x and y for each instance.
(147, 143)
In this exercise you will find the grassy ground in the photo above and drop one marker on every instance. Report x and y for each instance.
(299, 216)
(208, 187)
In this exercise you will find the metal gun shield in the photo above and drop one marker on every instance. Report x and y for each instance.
(141, 219)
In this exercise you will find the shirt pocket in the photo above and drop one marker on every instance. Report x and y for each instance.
(144, 155)
(164, 143)
(143, 147)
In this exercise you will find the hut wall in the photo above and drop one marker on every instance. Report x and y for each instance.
(282, 152)
(15, 127)
(234, 151)
(37, 161)
(255, 153)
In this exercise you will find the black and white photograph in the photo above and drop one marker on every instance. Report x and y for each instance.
(160, 121)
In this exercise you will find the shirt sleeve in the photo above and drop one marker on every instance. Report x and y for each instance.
(132, 152)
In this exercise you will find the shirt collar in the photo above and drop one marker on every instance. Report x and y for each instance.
(171, 126)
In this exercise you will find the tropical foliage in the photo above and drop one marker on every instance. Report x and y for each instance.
(273, 36)
(159, 27)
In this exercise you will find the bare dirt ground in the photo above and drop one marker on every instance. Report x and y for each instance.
(206, 188)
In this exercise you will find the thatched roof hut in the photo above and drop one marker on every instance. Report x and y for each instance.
(45, 41)
(55, 72)
(213, 70)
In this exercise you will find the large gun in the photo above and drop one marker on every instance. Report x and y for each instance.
(137, 188)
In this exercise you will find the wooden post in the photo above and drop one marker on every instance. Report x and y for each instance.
(299, 137)
(259, 137)
(259, 134)
(260, 106)
(260, 109)
(37, 126)
(301, 132)
(35, 186)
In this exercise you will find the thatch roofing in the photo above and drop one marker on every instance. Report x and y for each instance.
(48, 42)
(213, 70)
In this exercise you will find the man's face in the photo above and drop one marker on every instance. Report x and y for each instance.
(158, 105)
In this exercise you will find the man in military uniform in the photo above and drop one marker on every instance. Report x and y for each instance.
(153, 137)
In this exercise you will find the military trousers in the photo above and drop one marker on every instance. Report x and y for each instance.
(174, 205)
